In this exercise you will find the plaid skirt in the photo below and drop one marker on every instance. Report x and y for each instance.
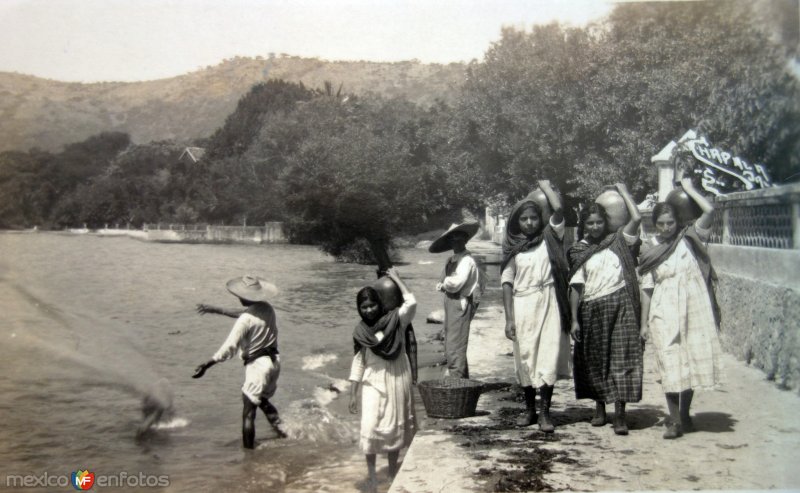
(608, 362)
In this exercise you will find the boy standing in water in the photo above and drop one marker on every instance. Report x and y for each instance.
(459, 281)
(255, 336)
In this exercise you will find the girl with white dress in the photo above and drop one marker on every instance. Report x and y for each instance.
(382, 371)
(680, 315)
(534, 280)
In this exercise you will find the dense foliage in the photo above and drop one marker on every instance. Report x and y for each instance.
(583, 107)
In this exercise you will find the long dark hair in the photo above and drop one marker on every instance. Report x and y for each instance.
(595, 208)
(368, 293)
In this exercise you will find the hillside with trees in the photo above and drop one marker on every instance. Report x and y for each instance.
(583, 107)
(48, 114)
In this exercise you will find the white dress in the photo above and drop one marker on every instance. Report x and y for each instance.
(681, 322)
(388, 422)
(541, 348)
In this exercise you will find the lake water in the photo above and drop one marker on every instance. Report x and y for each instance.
(90, 323)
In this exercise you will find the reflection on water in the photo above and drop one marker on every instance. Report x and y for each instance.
(91, 324)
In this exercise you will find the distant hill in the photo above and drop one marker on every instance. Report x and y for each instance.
(47, 114)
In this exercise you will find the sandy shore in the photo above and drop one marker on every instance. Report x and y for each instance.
(747, 437)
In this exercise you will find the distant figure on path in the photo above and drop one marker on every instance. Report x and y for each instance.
(680, 315)
(608, 363)
(255, 337)
(461, 283)
(382, 371)
(534, 279)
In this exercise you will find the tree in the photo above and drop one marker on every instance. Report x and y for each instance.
(242, 126)
(361, 171)
(588, 107)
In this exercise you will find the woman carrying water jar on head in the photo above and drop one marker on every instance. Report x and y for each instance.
(534, 280)
(680, 315)
(382, 371)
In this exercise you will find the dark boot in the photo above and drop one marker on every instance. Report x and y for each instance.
(673, 423)
(599, 418)
(546, 396)
(685, 403)
(620, 426)
(528, 417)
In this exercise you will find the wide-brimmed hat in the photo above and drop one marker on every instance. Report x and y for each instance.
(251, 288)
(442, 243)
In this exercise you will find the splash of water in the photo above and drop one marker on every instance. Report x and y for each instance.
(316, 361)
(307, 419)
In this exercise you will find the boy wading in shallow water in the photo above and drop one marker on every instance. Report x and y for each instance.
(255, 336)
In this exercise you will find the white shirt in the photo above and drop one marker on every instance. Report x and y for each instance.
(602, 274)
(465, 278)
(530, 271)
(248, 335)
(681, 258)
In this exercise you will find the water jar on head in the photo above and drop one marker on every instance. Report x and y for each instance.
(540, 198)
(686, 208)
(615, 207)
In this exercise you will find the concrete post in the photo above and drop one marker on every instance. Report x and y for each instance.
(666, 173)
(726, 229)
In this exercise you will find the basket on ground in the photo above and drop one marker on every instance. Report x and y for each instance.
(450, 397)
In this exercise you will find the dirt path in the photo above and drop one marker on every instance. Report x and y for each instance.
(748, 437)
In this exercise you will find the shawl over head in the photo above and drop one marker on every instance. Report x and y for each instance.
(657, 254)
(580, 253)
(515, 242)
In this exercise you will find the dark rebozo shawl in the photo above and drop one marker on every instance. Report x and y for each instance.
(515, 242)
(581, 252)
(657, 254)
(389, 347)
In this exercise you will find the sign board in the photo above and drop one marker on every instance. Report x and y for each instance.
(718, 171)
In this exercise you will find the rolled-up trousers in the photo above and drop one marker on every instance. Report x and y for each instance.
(458, 313)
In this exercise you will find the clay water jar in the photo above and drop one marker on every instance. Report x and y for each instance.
(686, 208)
(540, 198)
(390, 294)
(615, 207)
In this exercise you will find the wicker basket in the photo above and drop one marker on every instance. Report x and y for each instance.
(450, 397)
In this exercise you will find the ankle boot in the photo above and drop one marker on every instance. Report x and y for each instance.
(545, 423)
(687, 425)
(620, 426)
(599, 418)
(673, 429)
(528, 417)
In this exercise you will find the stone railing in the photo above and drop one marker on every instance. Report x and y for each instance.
(767, 218)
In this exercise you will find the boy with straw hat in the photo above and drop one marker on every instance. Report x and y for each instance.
(459, 280)
(255, 337)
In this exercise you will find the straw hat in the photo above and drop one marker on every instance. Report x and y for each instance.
(442, 243)
(251, 288)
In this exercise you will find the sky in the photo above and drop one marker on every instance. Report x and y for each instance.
(130, 40)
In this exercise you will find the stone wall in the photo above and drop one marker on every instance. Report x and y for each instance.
(271, 232)
(759, 295)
